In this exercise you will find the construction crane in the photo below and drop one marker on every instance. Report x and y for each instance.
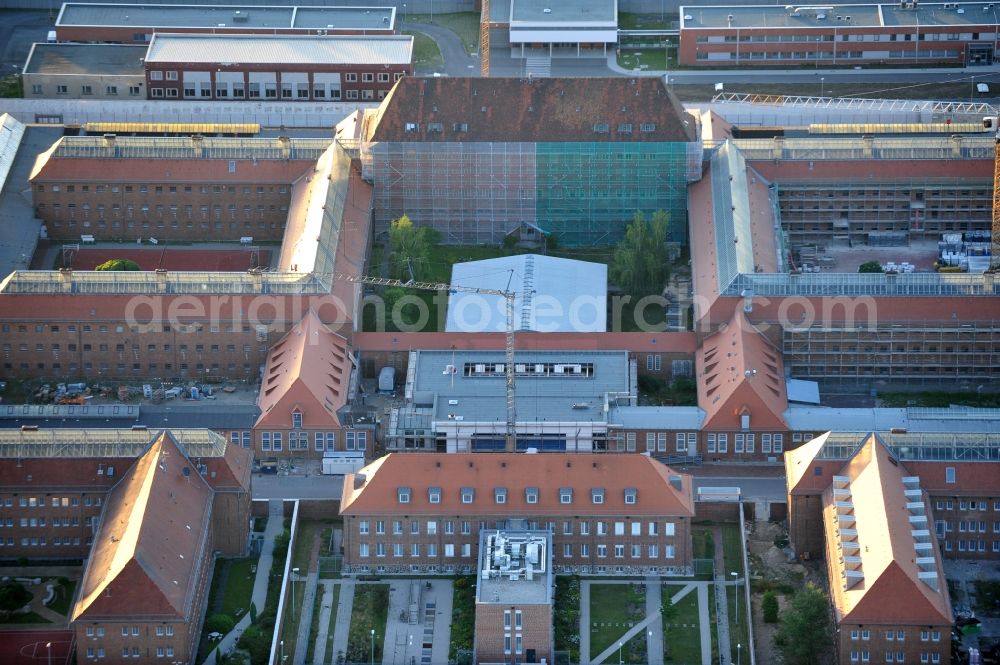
(510, 437)
(991, 123)
(484, 40)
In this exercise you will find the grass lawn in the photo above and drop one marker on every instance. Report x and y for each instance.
(30, 617)
(425, 50)
(64, 597)
(732, 550)
(614, 608)
(566, 608)
(371, 605)
(629, 21)
(239, 587)
(293, 614)
(703, 544)
(988, 598)
(988, 400)
(308, 530)
(463, 618)
(652, 59)
(463, 24)
(681, 630)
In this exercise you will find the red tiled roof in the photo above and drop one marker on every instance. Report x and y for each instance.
(739, 372)
(517, 471)
(800, 465)
(150, 542)
(668, 342)
(891, 592)
(871, 170)
(308, 370)
(530, 110)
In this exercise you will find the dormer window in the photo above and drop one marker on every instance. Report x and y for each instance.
(531, 495)
(411, 127)
(296, 419)
(630, 495)
(625, 128)
(434, 494)
(500, 494)
(468, 494)
(565, 495)
(597, 495)
(403, 494)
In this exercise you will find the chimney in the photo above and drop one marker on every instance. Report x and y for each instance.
(286, 147)
(359, 480)
(677, 483)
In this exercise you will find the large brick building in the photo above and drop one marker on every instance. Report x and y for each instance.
(136, 23)
(145, 586)
(608, 514)
(269, 68)
(54, 484)
(890, 598)
(123, 188)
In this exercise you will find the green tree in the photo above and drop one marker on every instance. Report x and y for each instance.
(119, 264)
(219, 623)
(410, 246)
(13, 596)
(870, 266)
(804, 632)
(639, 264)
(769, 607)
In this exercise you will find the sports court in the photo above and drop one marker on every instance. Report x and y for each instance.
(169, 258)
(28, 647)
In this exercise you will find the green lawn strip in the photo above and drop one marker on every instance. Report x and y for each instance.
(681, 628)
(463, 24)
(613, 607)
(30, 617)
(713, 623)
(239, 587)
(371, 605)
(293, 614)
(463, 619)
(648, 59)
(737, 624)
(567, 616)
(702, 542)
(64, 597)
(328, 658)
(303, 545)
(314, 625)
(425, 50)
(732, 550)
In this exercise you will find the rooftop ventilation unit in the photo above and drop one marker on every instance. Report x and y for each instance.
(241, 16)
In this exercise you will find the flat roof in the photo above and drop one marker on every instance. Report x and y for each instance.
(657, 417)
(85, 59)
(281, 49)
(916, 420)
(827, 16)
(549, 397)
(514, 567)
(565, 13)
(227, 16)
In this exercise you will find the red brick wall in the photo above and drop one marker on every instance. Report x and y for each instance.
(851, 639)
(535, 632)
(124, 35)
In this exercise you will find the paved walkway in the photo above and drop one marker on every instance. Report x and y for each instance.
(584, 621)
(344, 608)
(275, 525)
(305, 612)
(654, 608)
(323, 632)
(704, 619)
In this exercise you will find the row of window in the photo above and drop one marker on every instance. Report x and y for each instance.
(43, 542)
(41, 522)
(972, 504)
(56, 501)
(136, 652)
(160, 189)
(103, 329)
(87, 90)
(531, 495)
(120, 348)
(274, 441)
(136, 367)
(745, 442)
(350, 77)
(633, 528)
(744, 37)
(98, 631)
(269, 93)
(826, 55)
(465, 550)
(971, 545)
(897, 635)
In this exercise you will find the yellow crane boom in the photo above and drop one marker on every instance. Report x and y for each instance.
(484, 40)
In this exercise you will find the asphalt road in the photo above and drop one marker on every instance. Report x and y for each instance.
(456, 61)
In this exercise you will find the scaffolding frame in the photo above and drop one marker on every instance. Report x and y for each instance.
(934, 107)
(874, 148)
(187, 147)
(82, 443)
(921, 447)
(165, 283)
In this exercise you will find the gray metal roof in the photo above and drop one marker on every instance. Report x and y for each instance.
(564, 13)
(206, 415)
(552, 397)
(552, 295)
(914, 420)
(846, 16)
(225, 16)
(657, 417)
(281, 49)
(85, 59)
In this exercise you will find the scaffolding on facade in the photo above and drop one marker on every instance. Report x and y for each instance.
(188, 147)
(77, 443)
(868, 148)
(936, 108)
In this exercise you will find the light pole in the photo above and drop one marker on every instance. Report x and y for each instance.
(282, 643)
(620, 661)
(48, 645)
(736, 596)
(822, 87)
(373, 647)
(739, 652)
(295, 571)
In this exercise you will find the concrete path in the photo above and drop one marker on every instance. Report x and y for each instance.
(456, 61)
(275, 525)
(442, 595)
(304, 611)
(705, 621)
(323, 632)
(344, 607)
(584, 621)
(399, 633)
(721, 606)
(654, 635)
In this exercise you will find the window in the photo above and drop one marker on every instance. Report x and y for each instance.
(36, 89)
(297, 419)
(434, 494)
(363, 527)
(432, 528)
(630, 495)
(565, 495)
(380, 549)
(597, 495)
(531, 495)
(380, 527)
(62, 89)
(949, 474)
(890, 635)
(363, 550)
(500, 494)
(403, 494)
(668, 529)
(468, 494)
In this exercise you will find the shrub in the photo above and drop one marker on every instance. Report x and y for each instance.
(769, 606)
(219, 623)
(870, 266)
(13, 596)
(119, 264)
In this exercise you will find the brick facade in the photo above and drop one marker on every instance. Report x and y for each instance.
(874, 643)
(515, 631)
